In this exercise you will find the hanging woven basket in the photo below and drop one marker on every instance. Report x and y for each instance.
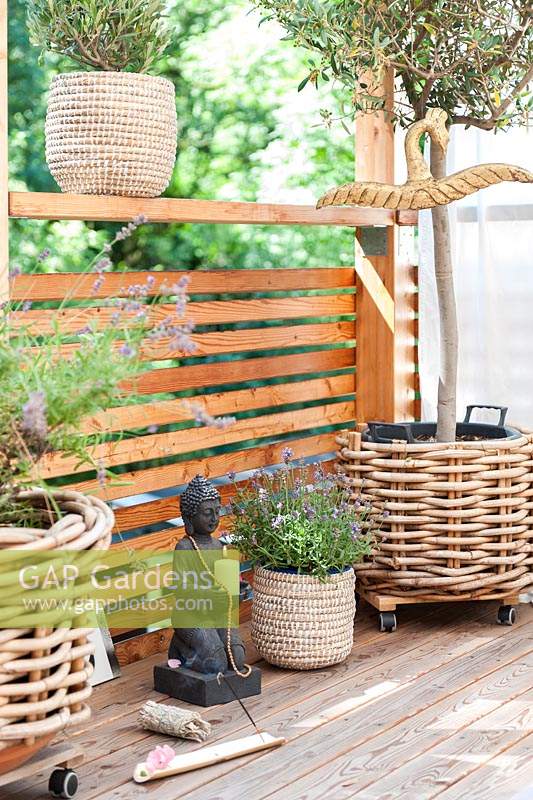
(111, 133)
(458, 521)
(301, 622)
(44, 672)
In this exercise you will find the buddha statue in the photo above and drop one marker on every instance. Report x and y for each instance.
(203, 650)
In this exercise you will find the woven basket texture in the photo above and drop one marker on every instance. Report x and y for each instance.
(458, 521)
(300, 622)
(44, 672)
(111, 133)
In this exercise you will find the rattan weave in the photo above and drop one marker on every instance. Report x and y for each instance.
(44, 672)
(458, 521)
(111, 133)
(301, 622)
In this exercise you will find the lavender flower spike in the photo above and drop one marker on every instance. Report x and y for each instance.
(204, 418)
(33, 422)
(286, 454)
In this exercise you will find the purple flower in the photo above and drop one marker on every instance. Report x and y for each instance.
(126, 351)
(286, 454)
(101, 475)
(231, 475)
(97, 285)
(204, 418)
(107, 248)
(150, 281)
(140, 219)
(152, 428)
(33, 422)
(277, 521)
(83, 331)
(101, 265)
(15, 270)
(44, 254)
(27, 304)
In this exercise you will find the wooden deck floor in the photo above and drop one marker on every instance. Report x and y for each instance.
(441, 708)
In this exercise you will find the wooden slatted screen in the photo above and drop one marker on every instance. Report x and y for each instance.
(275, 350)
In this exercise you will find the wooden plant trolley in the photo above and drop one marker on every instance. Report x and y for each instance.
(387, 604)
(61, 758)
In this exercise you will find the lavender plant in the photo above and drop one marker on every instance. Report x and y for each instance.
(49, 390)
(286, 520)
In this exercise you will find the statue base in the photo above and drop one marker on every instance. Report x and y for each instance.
(205, 690)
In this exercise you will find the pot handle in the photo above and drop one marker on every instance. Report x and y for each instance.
(502, 409)
(391, 428)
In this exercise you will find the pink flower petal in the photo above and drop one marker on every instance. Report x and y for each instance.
(174, 663)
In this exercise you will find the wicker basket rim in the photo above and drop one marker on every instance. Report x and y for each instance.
(105, 75)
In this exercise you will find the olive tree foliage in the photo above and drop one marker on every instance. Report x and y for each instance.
(115, 35)
(472, 58)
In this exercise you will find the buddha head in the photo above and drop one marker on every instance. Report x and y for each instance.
(200, 507)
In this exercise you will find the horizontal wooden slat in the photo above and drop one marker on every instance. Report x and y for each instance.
(177, 379)
(219, 342)
(72, 320)
(156, 478)
(78, 286)
(43, 205)
(221, 403)
(144, 448)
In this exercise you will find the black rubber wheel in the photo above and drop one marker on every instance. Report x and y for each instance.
(387, 621)
(506, 615)
(63, 783)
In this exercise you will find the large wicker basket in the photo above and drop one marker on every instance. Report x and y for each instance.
(44, 672)
(111, 133)
(301, 622)
(458, 517)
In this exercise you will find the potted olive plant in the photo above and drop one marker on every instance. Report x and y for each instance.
(110, 129)
(302, 534)
(460, 524)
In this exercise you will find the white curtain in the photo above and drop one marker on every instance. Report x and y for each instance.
(492, 241)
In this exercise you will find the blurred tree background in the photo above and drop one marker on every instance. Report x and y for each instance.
(244, 134)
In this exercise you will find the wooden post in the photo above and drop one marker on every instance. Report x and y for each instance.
(385, 317)
(4, 197)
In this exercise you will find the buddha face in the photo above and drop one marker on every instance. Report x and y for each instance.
(206, 519)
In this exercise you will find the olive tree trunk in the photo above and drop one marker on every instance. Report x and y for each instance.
(447, 396)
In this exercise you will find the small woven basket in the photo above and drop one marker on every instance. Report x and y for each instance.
(44, 672)
(301, 622)
(459, 516)
(111, 133)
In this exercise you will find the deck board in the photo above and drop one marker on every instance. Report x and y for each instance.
(441, 708)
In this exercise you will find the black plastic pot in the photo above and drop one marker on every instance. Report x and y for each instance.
(413, 432)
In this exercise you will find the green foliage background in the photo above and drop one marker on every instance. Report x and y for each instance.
(244, 134)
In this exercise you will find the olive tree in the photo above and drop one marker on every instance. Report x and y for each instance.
(472, 58)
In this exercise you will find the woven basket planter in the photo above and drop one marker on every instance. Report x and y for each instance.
(458, 521)
(44, 672)
(111, 133)
(300, 622)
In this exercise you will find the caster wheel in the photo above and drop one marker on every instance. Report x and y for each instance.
(387, 621)
(63, 783)
(506, 615)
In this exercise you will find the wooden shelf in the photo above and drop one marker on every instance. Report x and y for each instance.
(55, 206)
